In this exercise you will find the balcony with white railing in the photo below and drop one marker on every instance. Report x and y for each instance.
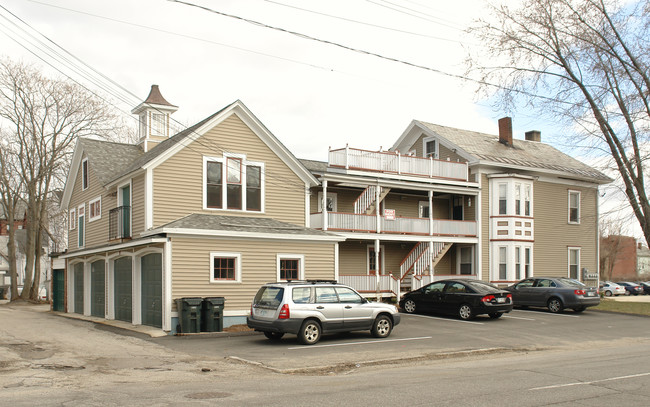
(372, 285)
(395, 163)
(361, 223)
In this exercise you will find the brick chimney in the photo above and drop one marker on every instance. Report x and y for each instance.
(505, 131)
(534, 135)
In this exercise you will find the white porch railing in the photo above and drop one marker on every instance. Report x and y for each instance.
(416, 226)
(422, 280)
(369, 286)
(366, 199)
(394, 162)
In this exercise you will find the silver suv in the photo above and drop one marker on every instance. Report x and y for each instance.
(311, 308)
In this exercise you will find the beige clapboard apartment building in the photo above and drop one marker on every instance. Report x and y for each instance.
(222, 207)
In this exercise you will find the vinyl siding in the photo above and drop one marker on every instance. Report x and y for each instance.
(443, 152)
(137, 206)
(353, 257)
(178, 182)
(191, 266)
(97, 230)
(553, 233)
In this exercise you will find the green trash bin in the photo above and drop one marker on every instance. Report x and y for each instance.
(212, 314)
(189, 314)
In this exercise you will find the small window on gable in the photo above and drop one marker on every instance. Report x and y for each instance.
(84, 174)
(574, 207)
(430, 148)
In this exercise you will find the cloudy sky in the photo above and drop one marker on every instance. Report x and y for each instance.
(310, 94)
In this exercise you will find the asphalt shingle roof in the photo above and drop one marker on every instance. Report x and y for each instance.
(486, 147)
(242, 224)
(108, 159)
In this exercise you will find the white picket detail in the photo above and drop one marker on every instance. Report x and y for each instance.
(367, 198)
(368, 285)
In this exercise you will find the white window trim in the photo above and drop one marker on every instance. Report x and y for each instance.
(568, 264)
(236, 256)
(473, 268)
(224, 184)
(333, 196)
(72, 219)
(286, 256)
(570, 192)
(84, 187)
(81, 239)
(436, 154)
(422, 205)
(90, 204)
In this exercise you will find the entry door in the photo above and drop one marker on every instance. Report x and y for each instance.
(97, 289)
(123, 289)
(79, 288)
(58, 295)
(372, 262)
(151, 266)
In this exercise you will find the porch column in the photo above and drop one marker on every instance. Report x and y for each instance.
(378, 267)
(377, 192)
(324, 205)
(430, 213)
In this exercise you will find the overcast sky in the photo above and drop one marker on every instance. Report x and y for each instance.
(310, 94)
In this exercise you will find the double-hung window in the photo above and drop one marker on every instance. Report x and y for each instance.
(95, 209)
(517, 199)
(574, 263)
(72, 219)
(84, 174)
(503, 263)
(503, 199)
(574, 207)
(233, 183)
(430, 148)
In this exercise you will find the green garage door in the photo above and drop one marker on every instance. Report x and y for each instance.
(97, 289)
(79, 288)
(123, 289)
(58, 289)
(151, 266)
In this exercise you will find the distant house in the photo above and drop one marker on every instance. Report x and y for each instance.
(618, 258)
(643, 262)
(222, 207)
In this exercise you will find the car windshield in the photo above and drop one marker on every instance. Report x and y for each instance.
(482, 287)
(269, 297)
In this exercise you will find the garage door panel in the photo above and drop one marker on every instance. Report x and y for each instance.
(151, 267)
(123, 289)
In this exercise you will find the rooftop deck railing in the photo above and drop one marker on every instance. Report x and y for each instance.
(396, 163)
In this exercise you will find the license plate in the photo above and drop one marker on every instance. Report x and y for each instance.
(501, 300)
(263, 313)
(590, 294)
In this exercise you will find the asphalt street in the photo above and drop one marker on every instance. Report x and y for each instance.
(529, 359)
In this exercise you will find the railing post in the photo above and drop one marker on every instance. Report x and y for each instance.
(347, 153)
(377, 190)
(430, 213)
(324, 205)
(399, 163)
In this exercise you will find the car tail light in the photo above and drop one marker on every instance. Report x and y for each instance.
(509, 296)
(579, 292)
(488, 298)
(284, 312)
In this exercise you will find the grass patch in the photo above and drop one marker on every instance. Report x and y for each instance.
(637, 308)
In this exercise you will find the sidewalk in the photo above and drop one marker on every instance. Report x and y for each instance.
(631, 298)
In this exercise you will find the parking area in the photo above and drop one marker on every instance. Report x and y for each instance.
(423, 336)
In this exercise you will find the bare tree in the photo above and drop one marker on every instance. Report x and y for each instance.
(582, 61)
(44, 117)
(11, 187)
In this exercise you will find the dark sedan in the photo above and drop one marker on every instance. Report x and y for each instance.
(465, 298)
(554, 293)
(631, 288)
(646, 287)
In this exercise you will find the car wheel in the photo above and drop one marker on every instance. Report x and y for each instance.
(382, 327)
(465, 312)
(409, 306)
(274, 336)
(608, 293)
(555, 305)
(579, 309)
(309, 332)
(496, 315)
(627, 292)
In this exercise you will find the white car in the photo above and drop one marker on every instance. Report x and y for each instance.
(608, 289)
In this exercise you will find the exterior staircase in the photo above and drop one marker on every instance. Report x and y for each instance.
(417, 261)
(365, 203)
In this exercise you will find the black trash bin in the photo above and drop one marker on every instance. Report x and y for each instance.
(212, 314)
(189, 314)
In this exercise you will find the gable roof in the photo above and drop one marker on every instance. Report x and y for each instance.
(114, 161)
(485, 148)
